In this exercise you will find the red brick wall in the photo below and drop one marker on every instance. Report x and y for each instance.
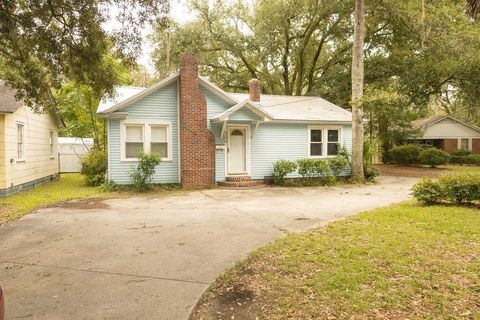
(197, 143)
(254, 89)
(476, 145)
(450, 145)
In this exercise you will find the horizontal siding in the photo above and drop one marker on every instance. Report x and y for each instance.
(38, 161)
(244, 115)
(220, 165)
(161, 105)
(215, 106)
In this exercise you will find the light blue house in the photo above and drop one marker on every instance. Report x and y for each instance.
(207, 135)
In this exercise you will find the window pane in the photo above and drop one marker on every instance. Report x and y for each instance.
(159, 134)
(20, 141)
(161, 148)
(332, 149)
(316, 135)
(464, 144)
(315, 149)
(134, 133)
(132, 149)
(333, 135)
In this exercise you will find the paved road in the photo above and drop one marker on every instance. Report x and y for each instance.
(151, 258)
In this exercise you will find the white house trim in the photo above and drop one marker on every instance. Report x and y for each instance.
(147, 137)
(232, 127)
(324, 139)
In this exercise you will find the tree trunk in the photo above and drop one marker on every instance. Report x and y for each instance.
(357, 91)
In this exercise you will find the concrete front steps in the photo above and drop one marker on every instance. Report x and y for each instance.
(241, 182)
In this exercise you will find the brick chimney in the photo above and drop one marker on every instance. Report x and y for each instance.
(197, 143)
(254, 89)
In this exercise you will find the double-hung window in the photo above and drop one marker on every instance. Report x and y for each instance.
(147, 136)
(134, 138)
(159, 140)
(52, 143)
(20, 141)
(324, 141)
(464, 144)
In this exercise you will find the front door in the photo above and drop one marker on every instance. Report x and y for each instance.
(237, 150)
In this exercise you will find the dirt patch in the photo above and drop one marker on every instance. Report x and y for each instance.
(415, 172)
(87, 204)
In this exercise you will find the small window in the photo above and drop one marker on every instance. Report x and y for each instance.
(236, 132)
(464, 145)
(20, 141)
(316, 146)
(159, 141)
(333, 142)
(133, 140)
(52, 143)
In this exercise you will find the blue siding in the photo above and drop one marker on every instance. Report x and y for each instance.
(244, 115)
(220, 165)
(161, 105)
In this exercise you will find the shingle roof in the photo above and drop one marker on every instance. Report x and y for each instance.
(423, 123)
(8, 102)
(299, 108)
(289, 108)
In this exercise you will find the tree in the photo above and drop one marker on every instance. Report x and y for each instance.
(473, 8)
(357, 91)
(48, 42)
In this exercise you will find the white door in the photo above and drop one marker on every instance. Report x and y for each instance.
(237, 155)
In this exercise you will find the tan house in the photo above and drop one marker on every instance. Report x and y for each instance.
(448, 133)
(28, 144)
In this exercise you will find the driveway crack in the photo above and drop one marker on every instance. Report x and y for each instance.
(105, 272)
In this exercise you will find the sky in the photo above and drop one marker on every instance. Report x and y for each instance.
(180, 12)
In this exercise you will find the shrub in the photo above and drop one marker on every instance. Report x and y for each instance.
(94, 167)
(338, 164)
(461, 187)
(428, 191)
(460, 153)
(406, 155)
(434, 157)
(306, 168)
(142, 174)
(472, 159)
(370, 172)
(281, 169)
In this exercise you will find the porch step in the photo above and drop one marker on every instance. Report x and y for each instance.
(238, 178)
(241, 182)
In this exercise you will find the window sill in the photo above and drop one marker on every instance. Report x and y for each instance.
(52, 157)
(322, 157)
(136, 160)
(20, 160)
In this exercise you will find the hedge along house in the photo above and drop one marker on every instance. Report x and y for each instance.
(448, 133)
(28, 144)
(209, 136)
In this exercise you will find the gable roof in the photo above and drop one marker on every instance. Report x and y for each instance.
(273, 107)
(10, 104)
(426, 122)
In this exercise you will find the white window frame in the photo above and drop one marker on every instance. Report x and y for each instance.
(324, 139)
(52, 143)
(147, 136)
(470, 142)
(24, 140)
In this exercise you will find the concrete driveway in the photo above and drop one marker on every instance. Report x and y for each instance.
(151, 258)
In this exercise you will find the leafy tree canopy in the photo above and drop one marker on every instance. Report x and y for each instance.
(49, 42)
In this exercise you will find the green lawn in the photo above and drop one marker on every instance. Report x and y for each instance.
(400, 262)
(463, 168)
(70, 186)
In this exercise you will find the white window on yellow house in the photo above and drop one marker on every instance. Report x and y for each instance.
(134, 138)
(52, 143)
(20, 141)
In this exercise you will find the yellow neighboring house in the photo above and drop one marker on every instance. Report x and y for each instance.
(28, 144)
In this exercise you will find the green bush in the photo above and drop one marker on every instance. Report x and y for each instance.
(142, 174)
(406, 155)
(338, 165)
(370, 172)
(461, 187)
(472, 159)
(460, 153)
(458, 188)
(428, 191)
(281, 169)
(465, 157)
(306, 168)
(94, 167)
(434, 157)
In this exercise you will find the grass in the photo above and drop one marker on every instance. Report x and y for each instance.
(401, 262)
(463, 168)
(70, 186)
